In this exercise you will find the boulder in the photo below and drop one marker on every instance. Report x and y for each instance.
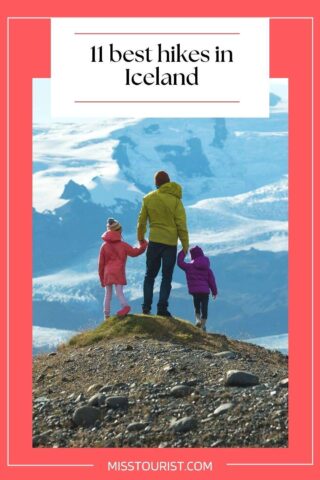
(117, 402)
(184, 424)
(137, 426)
(97, 400)
(239, 378)
(180, 390)
(86, 416)
(94, 388)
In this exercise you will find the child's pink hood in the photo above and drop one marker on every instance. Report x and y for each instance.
(111, 236)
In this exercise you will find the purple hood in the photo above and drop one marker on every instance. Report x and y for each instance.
(198, 258)
(200, 277)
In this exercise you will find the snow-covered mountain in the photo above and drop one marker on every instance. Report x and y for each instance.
(255, 219)
(234, 177)
(210, 157)
(47, 339)
(273, 342)
(72, 151)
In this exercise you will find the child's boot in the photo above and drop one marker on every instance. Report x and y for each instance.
(124, 311)
(203, 324)
(198, 320)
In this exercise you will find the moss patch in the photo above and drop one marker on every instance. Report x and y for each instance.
(148, 326)
(174, 330)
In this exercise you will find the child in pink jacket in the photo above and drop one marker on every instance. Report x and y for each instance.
(112, 265)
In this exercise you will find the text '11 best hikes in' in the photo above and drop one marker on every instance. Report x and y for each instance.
(174, 54)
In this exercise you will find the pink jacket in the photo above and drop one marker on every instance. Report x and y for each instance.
(113, 257)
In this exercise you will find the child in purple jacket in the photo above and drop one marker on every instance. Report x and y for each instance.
(201, 281)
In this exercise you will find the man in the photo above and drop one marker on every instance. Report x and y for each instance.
(165, 213)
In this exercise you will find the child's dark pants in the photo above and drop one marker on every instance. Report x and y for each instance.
(200, 302)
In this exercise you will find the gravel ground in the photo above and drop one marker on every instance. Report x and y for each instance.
(146, 393)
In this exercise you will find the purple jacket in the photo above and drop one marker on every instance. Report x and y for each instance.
(199, 275)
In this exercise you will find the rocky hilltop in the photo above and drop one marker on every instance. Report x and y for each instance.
(146, 381)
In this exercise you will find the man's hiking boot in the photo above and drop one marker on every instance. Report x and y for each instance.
(124, 311)
(164, 313)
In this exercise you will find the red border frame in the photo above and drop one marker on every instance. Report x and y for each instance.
(291, 56)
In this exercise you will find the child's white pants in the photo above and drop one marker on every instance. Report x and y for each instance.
(108, 295)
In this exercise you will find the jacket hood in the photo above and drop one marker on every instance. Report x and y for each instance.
(111, 236)
(196, 252)
(171, 187)
(198, 259)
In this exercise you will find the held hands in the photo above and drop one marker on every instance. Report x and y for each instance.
(214, 296)
(143, 244)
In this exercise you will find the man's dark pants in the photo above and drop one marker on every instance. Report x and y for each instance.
(159, 254)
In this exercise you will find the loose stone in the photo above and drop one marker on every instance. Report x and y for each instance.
(117, 402)
(86, 416)
(239, 378)
(223, 408)
(180, 390)
(184, 424)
